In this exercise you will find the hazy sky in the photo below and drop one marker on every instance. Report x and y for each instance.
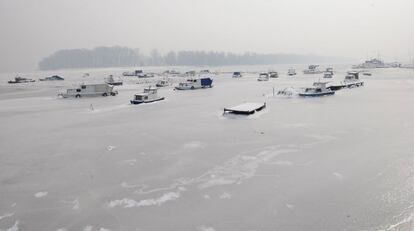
(33, 29)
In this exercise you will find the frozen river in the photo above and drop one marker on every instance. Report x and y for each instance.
(342, 162)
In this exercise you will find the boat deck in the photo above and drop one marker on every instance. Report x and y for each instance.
(245, 108)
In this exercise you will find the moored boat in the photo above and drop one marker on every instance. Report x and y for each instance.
(19, 79)
(318, 89)
(148, 96)
(291, 72)
(111, 81)
(162, 83)
(237, 74)
(312, 69)
(245, 108)
(263, 77)
(195, 83)
(273, 74)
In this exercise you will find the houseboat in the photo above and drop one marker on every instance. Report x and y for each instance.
(148, 96)
(195, 83)
(89, 90)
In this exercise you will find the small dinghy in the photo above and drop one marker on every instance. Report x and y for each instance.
(148, 96)
(245, 108)
(318, 89)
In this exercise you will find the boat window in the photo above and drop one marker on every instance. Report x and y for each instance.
(78, 90)
(83, 87)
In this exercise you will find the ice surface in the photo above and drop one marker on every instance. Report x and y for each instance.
(332, 163)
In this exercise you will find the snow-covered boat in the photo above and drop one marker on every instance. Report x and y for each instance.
(312, 69)
(245, 108)
(195, 83)
(237, 74)
(52, 78)
(111, 81)
(134, 73)
(21, 80)
(263, 77)
(318, 89)
(148, 96)
(351, 80)
(291, 72)
(273, 74)
(102, 89)
(162, 83)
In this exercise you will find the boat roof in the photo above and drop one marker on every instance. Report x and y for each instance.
(246, 107)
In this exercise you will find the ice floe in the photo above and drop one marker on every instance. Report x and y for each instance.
(40, 194)
(338, 175)
(129, 203)
(205, 228)
(6, 215)
(225, 195)
(15, 227)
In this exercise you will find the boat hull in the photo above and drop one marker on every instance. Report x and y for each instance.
(316, 94)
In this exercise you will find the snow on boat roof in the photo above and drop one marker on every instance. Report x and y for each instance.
(246, 107)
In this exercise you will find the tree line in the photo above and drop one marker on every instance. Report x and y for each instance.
(126, 57)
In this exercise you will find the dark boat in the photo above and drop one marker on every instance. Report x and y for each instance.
(245, 108)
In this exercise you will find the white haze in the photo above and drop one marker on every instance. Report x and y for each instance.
(31, 30)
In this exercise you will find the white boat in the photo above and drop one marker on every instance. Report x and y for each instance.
(245, 108)
(162, 83)
(111, 81)
(195, 83)
(237, 74)
(102, 89)
(376, 63)
(263, 77)
(148, 96)
(351, 80)
(273, 74)
(291, 72)
(312, 69)
(318, 89)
